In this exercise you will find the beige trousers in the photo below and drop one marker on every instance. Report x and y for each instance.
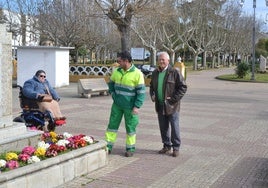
(52, 106)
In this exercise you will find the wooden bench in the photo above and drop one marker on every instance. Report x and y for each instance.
(86, 87)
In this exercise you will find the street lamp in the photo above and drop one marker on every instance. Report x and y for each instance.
(253, 41)
(253, 38)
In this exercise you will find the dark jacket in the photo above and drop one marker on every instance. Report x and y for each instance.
(174, 87)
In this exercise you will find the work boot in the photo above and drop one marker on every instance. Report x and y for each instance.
(129, 154)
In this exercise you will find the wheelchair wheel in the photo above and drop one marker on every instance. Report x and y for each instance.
(19, 119)
(51, 126)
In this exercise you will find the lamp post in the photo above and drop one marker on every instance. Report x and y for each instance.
(253, 38)
(14, 36)
(253, 42)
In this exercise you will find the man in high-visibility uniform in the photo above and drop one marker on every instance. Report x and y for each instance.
(127, 88)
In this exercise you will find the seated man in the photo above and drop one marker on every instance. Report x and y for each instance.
(37, 88)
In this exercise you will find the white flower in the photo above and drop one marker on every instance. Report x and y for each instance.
(67, 135)
(88, 139)
(62, 142)
(33, 159)
(42, 144)
(2, 163)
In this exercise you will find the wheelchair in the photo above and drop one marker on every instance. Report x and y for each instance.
(33, 117)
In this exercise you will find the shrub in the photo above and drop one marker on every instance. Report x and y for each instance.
(242, 70)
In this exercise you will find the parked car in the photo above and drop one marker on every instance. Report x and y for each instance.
(145, 69)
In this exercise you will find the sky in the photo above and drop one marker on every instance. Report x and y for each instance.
(261, 11)
(261, 8)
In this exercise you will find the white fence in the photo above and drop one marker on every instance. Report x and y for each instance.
(94, 70)
(97, 70)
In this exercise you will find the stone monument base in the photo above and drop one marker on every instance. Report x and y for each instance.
(16, 137)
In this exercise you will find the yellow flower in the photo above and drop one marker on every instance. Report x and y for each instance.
(40, 152)
(53, 134)
(11, 156)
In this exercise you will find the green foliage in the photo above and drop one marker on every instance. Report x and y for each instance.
(262, 48)
(266, 45)
(259, 77)
(242, 70)
(82, 51)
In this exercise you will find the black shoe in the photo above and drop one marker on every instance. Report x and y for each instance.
(129, 154)
(63, 118)
(165, 150)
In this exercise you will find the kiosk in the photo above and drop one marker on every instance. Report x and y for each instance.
(53, 60)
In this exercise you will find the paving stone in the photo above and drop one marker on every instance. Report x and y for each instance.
(223, 130)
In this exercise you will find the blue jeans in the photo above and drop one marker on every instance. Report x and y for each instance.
(170, 137)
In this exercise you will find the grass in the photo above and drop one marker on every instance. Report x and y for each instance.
(259, 77)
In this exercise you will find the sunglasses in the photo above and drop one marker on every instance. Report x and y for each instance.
(42, 76)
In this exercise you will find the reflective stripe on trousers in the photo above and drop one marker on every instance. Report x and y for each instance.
(131, 122)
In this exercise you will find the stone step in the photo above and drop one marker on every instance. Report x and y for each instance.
(15, 130)
(16, 137)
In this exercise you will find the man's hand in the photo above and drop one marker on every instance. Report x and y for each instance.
(135, 110)
(153, 98)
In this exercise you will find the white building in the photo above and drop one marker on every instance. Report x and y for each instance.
(14, 25)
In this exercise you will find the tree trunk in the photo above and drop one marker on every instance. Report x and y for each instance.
(125, 37)
(219, 59)
(23, 29)
(76, 56)
(195, 62)
(213, 61)
(123, 22)
(153, 56)
(204, 60)
(172, 57)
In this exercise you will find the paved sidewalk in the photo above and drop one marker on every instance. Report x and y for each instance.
(224, 128)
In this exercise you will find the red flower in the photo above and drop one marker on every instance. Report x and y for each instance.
(24, 157)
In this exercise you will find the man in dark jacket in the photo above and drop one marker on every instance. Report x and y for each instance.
(167, 87)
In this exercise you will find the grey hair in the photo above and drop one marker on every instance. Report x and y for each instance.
(163, 53)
